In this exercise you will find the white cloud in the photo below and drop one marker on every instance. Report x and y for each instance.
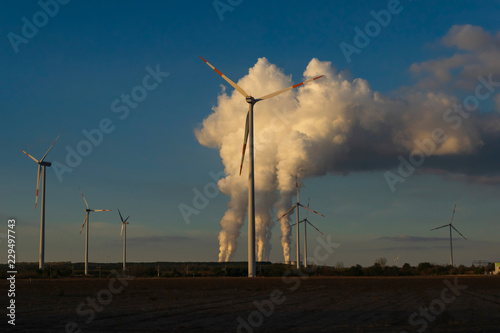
(333, 125)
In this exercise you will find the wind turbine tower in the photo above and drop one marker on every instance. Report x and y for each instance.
(87, 221)
(124, 231)
(41, 163)
(306, 221)
(450, 225)
(249, 136)
(297, 205)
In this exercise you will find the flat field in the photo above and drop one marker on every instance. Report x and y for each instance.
(289, 304)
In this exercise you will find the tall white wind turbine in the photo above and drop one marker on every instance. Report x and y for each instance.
(451, 226)
(306, 221)
(249, 136)
(124, 232)
(297, 205)
(41, 164)
(87, 221)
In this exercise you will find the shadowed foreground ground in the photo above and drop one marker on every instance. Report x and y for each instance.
(333, 304)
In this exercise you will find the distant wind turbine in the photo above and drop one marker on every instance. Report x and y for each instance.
(249, 136)
(451, 226)
(397, 261)
(297, 205)
(124, 231)
(306, 221)
(87, 221)
(41, 164)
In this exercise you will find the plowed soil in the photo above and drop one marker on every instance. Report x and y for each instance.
(333, 304)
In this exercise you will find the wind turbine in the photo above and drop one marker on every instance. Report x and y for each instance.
(397, 261)
(41, 164)
(297, 205)
(249, 136)
(124, 231)
(306, 221)
(451, 226)
(87, 220)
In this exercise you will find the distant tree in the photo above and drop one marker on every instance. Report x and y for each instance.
(391, 271)
(406, 269)
(381, 261)
(441, 270)
(354, 271)
(425, 268)
(462, 269)
(375, 270)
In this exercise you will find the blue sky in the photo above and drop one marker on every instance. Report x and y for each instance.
(66, 77)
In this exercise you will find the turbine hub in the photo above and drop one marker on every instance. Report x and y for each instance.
(250, 100)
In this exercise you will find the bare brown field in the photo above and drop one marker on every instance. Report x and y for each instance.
(291, 304)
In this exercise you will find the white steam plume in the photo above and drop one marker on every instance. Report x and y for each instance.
(333, 125)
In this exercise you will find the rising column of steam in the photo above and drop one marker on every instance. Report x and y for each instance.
(338, 125)
(249, 136)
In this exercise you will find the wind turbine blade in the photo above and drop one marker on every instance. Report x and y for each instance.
(121, 218)
(453, 215)
(235, 86)
(309, 209)
(84, 221)
(288, 212)
(121, 230)
(315, 228)
(276, 93)
(308, 201)
(50, 147)
(245, 138)
(34, 159)
(126, 220)
(294, 224)
(459, 232)
(446, 225)
(86, 204)
(38, 178)
(102, 210)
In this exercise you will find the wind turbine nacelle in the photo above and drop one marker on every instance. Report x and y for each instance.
(43, 163)
(250, 100)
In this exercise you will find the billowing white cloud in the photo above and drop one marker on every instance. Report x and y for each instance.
(477, 53)
(332, 125)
